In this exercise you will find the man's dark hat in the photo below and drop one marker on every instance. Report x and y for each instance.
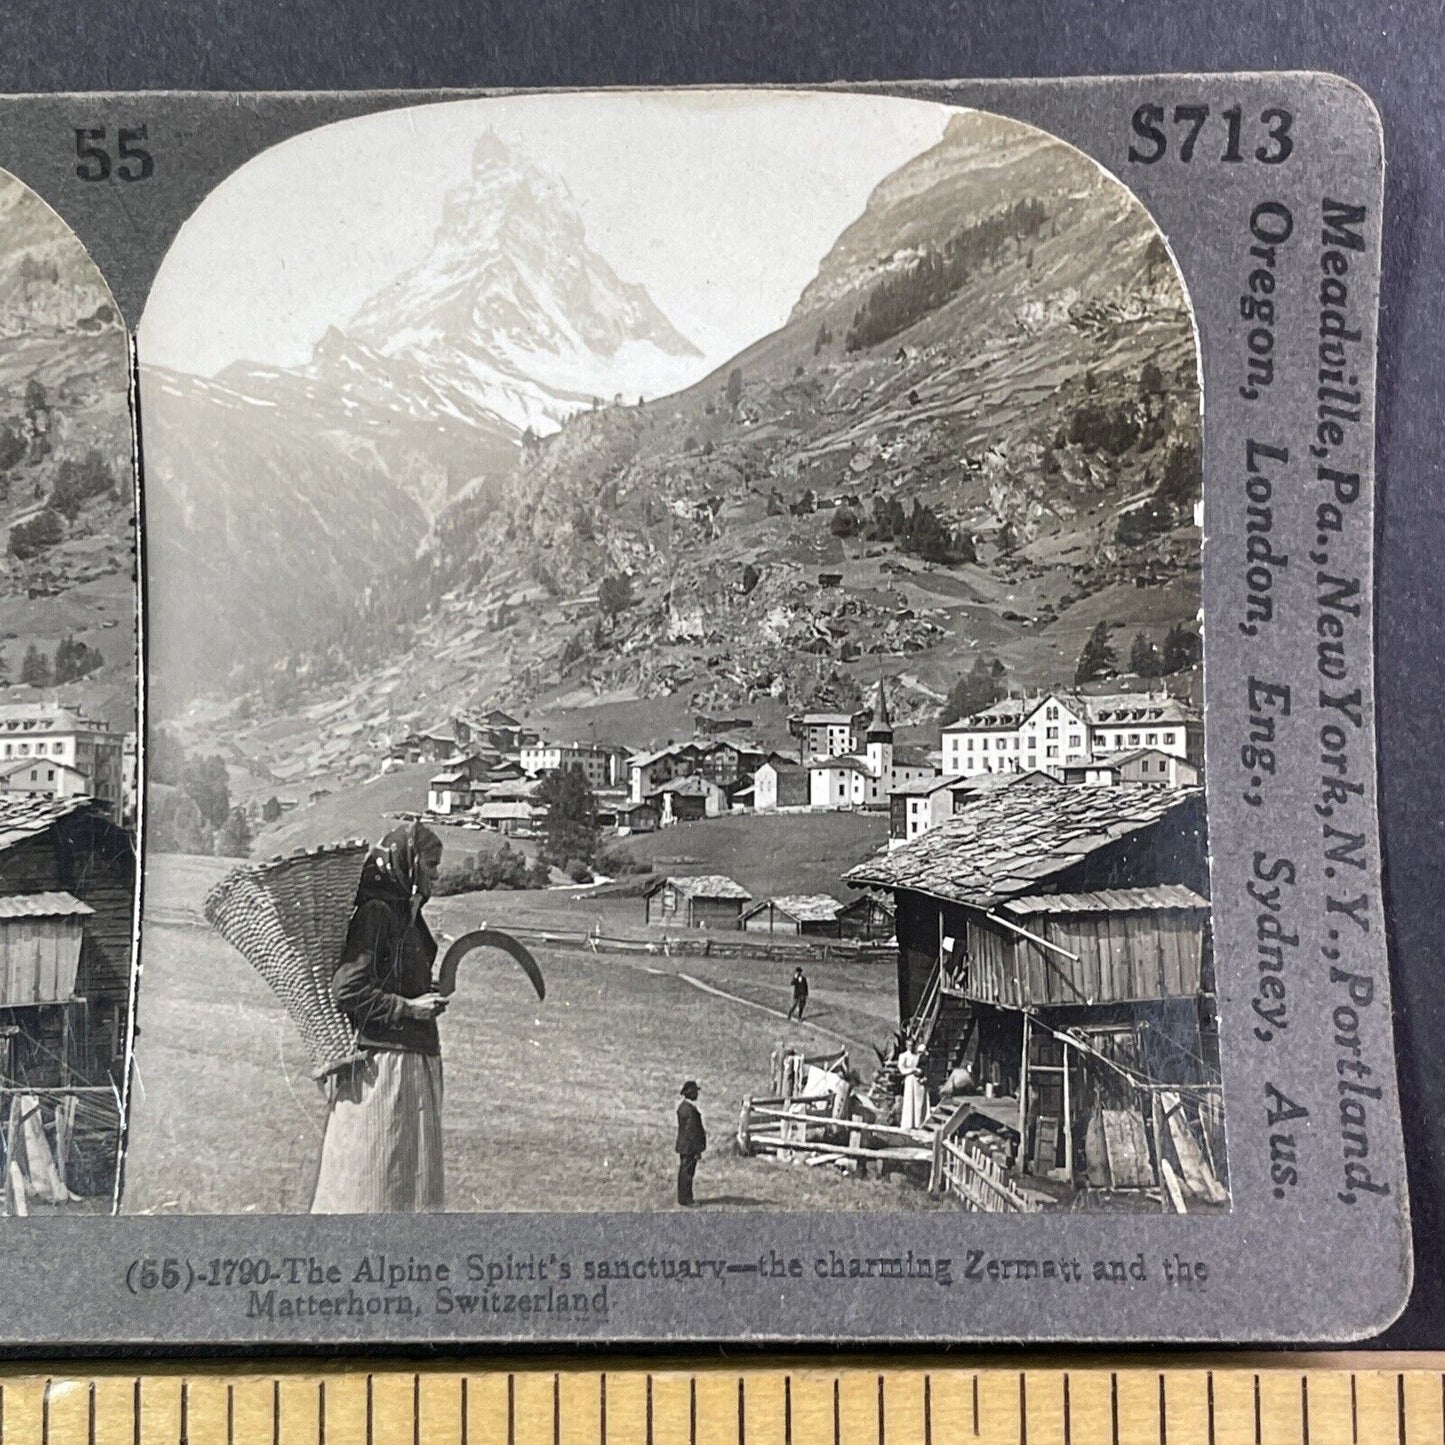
(691, 1086)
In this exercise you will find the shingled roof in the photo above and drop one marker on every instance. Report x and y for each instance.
(1010, 843)
(802, 907)
(702, 885)
(43, 905)
(924, 787)
(27, 816)
(691, 786)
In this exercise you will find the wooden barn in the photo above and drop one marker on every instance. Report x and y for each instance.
(1056, 944)
(67, 896)
(515, 819)
(869, 917)
(689, 800)
(807, 915)
(706, 901)
(780, 784)
(643, 817)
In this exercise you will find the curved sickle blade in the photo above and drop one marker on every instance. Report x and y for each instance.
(487, 938)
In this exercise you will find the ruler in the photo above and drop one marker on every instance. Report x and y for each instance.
(1275, 1400)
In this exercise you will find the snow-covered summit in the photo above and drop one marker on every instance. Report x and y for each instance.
(513, 308)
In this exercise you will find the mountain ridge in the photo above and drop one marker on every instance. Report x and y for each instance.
(1023, 368)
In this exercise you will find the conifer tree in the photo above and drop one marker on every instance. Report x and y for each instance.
(1144, 658)
(1098, 659)
(1182, 649)
(35, 669)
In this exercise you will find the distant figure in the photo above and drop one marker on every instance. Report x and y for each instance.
(691, 1141)
(915, 1091)
(800, 993)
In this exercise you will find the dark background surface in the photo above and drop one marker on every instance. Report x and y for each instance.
(1396, 51)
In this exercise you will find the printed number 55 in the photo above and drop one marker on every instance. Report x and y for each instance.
(93, 160)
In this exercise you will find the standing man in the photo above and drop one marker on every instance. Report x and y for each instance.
(800, 993)
(691, 1141)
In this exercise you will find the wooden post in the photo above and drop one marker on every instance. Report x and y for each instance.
(65, 1044)
(1068, 1121)
(745, 1126)
(1023, 1161)
(1156, 1120)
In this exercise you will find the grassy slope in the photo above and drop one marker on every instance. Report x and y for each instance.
(791, 853)
(767, 854)
(559, 1106)
(368, 811)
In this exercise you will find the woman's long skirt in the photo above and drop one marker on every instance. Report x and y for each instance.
(915, 1103)
(383, 1147)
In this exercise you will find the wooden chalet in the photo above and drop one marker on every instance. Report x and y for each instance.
(494, 728)
(689, 800)
(812, 915)
(779, 783)
(868, 918)
(643, 817)
(1056, 943)
(67, 897)
(705, 901)
(448, 792)
(1141, 765)
(514, 819)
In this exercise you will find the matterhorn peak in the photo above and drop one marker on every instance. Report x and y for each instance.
(505, 191)
(514, 311)
(488, 152)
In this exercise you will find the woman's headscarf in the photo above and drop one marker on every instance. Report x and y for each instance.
(390, 870)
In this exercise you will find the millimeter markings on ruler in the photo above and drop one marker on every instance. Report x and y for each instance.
(1273, 1400)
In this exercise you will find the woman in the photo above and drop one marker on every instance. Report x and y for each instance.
(383, 1146)
(915, 1091)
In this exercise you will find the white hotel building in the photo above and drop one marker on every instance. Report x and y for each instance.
(1059, 729)
(82, 753)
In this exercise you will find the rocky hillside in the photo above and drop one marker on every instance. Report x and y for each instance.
(999, 337)
(65, 455)
(977, 434)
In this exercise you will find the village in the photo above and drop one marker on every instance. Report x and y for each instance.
(492, 765)
(1041, 898)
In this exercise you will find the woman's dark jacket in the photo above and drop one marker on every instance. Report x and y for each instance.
(387, 958)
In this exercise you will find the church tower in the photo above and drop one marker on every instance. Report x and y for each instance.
(879, 743)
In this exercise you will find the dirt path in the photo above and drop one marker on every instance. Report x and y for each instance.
(750, 1003)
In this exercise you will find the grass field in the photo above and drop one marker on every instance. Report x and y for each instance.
(556, 1106)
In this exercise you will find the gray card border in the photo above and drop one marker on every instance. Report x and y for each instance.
(1287, 1263)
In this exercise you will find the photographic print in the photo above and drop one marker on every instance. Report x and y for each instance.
(675, 672)
(68, 685)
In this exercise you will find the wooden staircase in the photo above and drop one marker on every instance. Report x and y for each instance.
(937, 1022)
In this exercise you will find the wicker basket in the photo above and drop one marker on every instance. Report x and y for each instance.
(288, 916)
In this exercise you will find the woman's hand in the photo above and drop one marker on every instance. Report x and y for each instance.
(425, 1007)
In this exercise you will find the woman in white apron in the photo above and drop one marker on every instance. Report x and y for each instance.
(383, 1146)
(915, 1090)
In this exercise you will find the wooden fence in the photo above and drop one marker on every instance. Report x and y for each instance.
(737, 945)
(696, 943)
(807, 1124)
(977, 1177)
